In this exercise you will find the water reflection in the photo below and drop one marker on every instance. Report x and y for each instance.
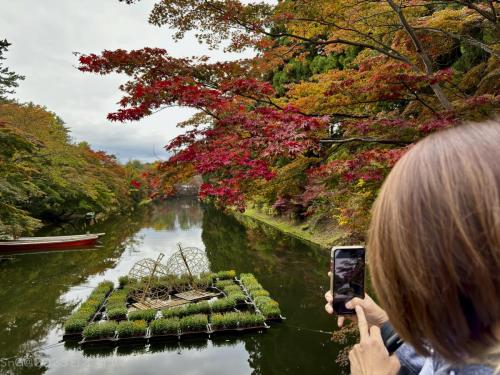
(39, 291)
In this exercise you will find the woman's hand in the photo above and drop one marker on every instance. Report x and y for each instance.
(375, 315)
(370, 357)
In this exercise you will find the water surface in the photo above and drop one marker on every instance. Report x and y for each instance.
(39, 291)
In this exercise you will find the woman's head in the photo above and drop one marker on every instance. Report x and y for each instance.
(434, 243)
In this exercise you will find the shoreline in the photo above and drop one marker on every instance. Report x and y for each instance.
(318, 236)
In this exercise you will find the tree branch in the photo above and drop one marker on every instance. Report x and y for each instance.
(443, 99)
(464, 38)
(368, 140)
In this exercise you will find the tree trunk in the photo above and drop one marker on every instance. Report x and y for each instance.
(438, 91)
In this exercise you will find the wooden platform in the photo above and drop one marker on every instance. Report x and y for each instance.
(195, 295)
(158, 304)
(181, 299)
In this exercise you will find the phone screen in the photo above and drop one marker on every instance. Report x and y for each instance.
(348, 279)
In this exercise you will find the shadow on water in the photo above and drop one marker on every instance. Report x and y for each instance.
(39, 291)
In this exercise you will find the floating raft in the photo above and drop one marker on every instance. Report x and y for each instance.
(227, 305)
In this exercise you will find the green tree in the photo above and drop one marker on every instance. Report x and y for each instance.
(8, 79)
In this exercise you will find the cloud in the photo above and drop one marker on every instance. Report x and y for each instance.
(45, 34)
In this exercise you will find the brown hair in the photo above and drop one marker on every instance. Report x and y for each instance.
(434, 243)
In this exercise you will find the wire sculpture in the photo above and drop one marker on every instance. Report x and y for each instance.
(190, 261)
(152, 281)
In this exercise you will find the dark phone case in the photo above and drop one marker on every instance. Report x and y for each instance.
(339, 304)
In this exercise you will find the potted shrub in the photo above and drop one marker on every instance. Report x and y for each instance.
(103, 330)
(147, 315)
(128, 329)
(162, 327)
(193, 323)
(223, 304)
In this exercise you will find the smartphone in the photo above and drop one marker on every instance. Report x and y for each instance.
(348, 276)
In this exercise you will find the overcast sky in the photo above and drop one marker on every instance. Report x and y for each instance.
(44, 35)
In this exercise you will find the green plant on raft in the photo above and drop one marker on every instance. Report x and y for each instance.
(165, 326)
(178, 311)
(100, 330)
(117, 313)
(222, 275)
(270, 311)
(132, 329)
(81, 315)
(123, 280)
(269, 307)
(262, 299)
(97, 296)
(202, 307)
(223, 304)
(259, 293)
(237, 297)
(231, 288)
(120, 295)
(193, 323)
(248, 319)
(236, 319)
(183, 280)
(202, 281)
(221, 284)
(221, 321)
(75, 324)
(253, 286)
(105, 287)
(247, 277)
(147, 315)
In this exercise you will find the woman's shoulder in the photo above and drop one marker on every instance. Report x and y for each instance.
(442, 367)
(469, 370)
(415, 364)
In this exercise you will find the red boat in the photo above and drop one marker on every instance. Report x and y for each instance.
(48, 243)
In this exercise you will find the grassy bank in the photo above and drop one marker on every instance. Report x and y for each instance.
(324, 234)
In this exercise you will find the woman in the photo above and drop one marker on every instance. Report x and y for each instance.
(434, 255)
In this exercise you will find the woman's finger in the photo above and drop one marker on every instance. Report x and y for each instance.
(329, 308)
(340, 321)
(329, 297)
(375, 333)
(362, 324)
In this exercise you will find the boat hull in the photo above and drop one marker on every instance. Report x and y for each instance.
(66, 242)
